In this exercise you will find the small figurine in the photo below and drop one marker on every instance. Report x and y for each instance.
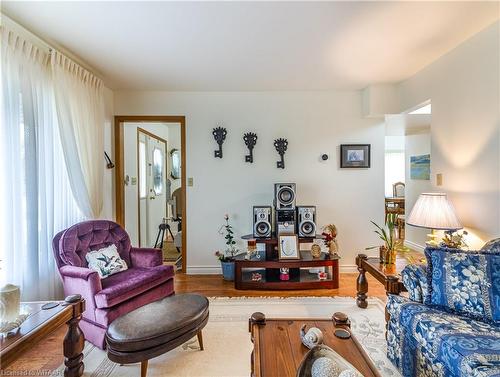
(284, 274)
(322, 275)
(312, 337)
(330, 239)
(315, 250)
(256, 276)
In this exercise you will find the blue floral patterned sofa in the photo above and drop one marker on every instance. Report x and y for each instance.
(450, 324)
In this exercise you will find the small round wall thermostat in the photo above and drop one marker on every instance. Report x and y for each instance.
(324, 157)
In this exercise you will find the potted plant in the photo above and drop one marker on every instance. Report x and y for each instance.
(227, 257)
(388, 235)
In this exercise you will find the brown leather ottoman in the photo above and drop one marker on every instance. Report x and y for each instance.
(156, 328)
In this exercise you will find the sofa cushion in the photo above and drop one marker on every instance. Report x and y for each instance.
(467, 283)
(456, 344)
(127, 284)
(414, 278)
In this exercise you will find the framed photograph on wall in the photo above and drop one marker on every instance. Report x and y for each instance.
(288, 246)
(355, 156)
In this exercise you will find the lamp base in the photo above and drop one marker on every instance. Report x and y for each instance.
(432, 239)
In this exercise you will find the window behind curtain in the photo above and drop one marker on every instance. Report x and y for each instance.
(36, 201)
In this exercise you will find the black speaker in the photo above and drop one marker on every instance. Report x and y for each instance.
(262, 217)
(285, 221)
(284, 196)
(306, 221)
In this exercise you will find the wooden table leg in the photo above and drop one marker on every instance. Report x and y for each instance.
(144, 368)
(361, 282)
(74, 340)
(200, 340)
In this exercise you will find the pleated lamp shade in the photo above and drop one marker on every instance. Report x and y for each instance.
(434, 211)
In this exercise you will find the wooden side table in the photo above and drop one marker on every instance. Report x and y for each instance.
(388, 275)
(43, 322)
(278, 350)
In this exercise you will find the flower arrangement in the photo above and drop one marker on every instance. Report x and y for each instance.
(330, 238)
(231, 250)
(455, 240)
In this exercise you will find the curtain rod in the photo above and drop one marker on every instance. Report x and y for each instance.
(41, 43)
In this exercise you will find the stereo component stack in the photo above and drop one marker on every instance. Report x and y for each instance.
(288, 218)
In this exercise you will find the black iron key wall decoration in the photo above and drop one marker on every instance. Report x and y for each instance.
(219, 136)
(250, 140)
(281, 145)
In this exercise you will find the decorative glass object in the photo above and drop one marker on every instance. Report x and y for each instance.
(322, 361)
(175, 156)
(10, 301)
(157, 171)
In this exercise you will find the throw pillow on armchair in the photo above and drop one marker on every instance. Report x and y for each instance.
(106, 261)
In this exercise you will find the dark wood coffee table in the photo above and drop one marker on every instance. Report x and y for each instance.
(41, 323)
(278, 350)
(388, 275)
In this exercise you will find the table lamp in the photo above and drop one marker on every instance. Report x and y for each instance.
(434, 211)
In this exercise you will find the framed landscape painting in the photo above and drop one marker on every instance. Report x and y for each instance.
(420, 167)
(355, 156)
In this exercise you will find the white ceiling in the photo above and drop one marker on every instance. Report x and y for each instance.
(254, 45)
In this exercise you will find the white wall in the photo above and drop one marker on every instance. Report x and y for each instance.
(416, 145)
(313, 122)
(463, 86)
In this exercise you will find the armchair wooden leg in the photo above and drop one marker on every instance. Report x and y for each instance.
(144, 368)
(200, 340)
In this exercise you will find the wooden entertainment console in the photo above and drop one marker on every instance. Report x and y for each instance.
(300, 277)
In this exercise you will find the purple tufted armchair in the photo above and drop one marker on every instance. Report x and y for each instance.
(146, 279)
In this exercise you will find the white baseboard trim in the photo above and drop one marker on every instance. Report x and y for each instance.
(414, 246)
(203, 270)
(348, 268)
(216, 270)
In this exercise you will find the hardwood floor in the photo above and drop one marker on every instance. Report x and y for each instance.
(47, 354)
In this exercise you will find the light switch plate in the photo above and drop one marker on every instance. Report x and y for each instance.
(190, 181)
(439, 179)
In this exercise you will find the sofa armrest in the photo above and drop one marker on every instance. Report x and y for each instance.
(145, 257)
(83, 281)
(415, 281)
(77, 272)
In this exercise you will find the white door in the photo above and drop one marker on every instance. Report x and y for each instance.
(152, 186)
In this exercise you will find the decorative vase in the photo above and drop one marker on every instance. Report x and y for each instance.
(382, 254)
(390, 256)
(228, 270)
(10, 302)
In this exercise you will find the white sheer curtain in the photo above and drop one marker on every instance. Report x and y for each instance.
(79, 103)
(35, 196)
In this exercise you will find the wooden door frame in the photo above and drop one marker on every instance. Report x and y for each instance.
(120, 165)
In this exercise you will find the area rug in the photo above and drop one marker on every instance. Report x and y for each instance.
(227, 341)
